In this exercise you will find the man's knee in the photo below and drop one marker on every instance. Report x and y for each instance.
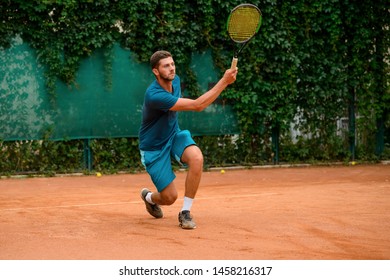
(194, 156)
(197, 159)
(168, 196)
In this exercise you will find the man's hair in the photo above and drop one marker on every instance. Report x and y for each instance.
(157, 56)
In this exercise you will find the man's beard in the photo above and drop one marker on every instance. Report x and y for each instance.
(167, 78)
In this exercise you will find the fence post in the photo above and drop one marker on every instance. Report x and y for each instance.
(380, 134)
(275, 143)
(352, 124)
(87, 154)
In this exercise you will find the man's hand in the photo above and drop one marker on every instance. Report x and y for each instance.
(230, 75)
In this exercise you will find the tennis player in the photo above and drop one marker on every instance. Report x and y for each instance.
(161, 139)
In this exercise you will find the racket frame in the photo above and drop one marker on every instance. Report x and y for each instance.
(244, 42)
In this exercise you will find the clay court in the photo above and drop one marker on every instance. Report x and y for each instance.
(299, 213)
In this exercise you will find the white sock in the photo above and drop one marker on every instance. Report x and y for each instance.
(149, 198)
(187, 204)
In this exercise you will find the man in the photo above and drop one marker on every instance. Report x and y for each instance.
(161, 138)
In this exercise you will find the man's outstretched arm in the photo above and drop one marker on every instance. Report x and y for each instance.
(203, 101)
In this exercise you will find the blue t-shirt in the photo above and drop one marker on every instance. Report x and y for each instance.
(158, 123)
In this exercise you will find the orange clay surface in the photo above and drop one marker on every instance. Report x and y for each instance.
(299, 213)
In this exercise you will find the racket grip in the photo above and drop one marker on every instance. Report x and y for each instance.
(234, 63)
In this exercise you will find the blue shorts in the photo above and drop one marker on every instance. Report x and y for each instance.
(158, 163)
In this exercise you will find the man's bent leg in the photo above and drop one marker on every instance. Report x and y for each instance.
(193, 157)
(167, 196)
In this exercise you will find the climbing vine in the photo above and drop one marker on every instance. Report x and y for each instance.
(302, 68)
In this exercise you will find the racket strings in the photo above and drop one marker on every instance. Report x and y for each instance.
(243, 23)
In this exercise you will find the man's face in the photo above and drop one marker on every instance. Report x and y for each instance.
(166, 69)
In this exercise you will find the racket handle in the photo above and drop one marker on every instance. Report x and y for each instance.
(234, 63)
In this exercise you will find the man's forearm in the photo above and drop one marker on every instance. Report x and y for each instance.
(210, 96)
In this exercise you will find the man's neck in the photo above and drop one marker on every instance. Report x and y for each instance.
(167, 85)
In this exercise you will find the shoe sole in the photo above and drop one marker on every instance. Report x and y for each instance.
(187, 227)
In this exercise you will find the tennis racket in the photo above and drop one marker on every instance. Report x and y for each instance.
(243, 24)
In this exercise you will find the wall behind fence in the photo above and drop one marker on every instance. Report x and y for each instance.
(105, 102)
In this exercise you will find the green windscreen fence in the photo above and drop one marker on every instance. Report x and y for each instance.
(105, 102)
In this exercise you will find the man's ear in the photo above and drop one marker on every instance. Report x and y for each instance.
(155, 71)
